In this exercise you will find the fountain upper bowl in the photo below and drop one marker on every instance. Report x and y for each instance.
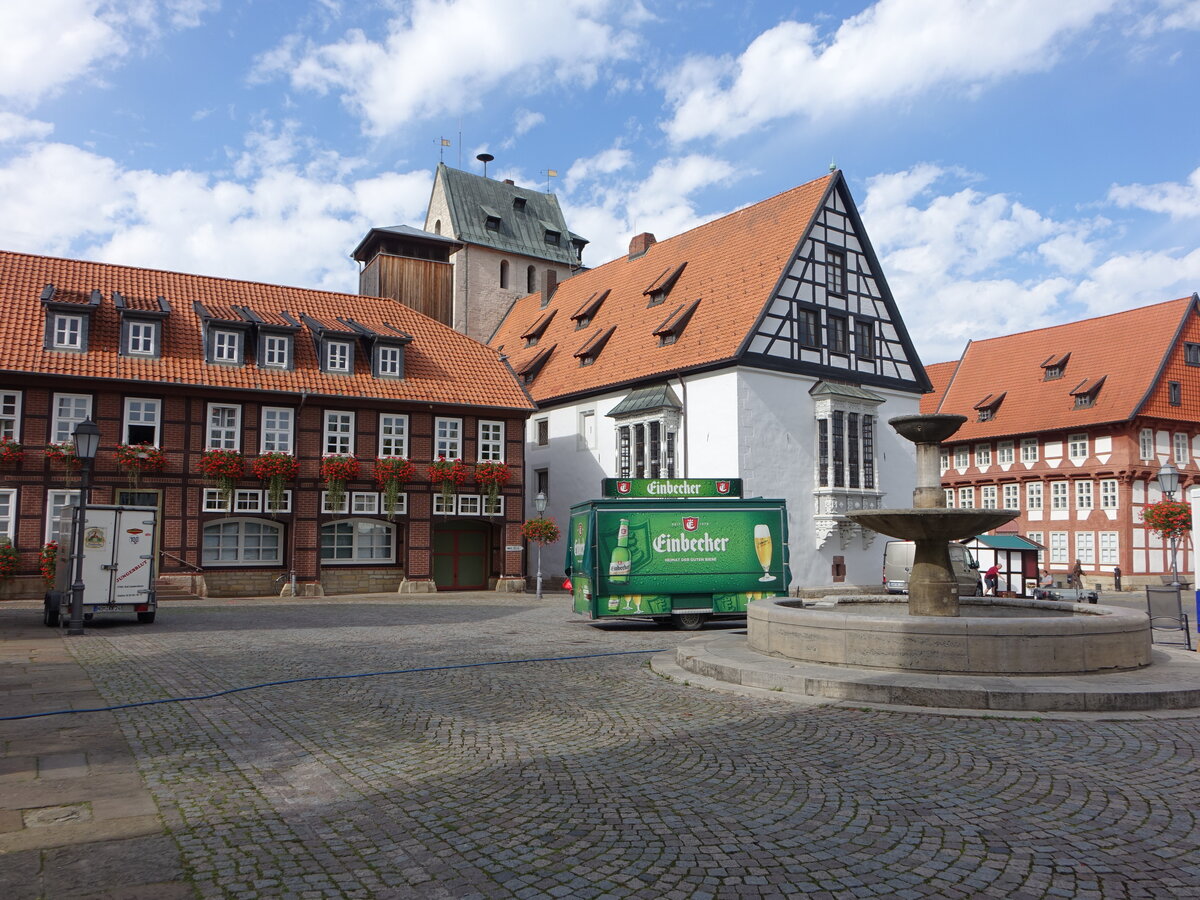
(927, 429)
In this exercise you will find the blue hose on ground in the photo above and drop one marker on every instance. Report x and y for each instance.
(253, 687)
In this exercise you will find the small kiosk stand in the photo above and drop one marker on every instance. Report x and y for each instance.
(678, 550)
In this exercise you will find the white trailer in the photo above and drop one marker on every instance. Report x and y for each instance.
(118, 563)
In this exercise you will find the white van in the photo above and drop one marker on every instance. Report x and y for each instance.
(898, 560)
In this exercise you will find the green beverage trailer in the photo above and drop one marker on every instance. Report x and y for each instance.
(680, 550)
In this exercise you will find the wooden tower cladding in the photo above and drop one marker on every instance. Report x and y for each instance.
(410, 266)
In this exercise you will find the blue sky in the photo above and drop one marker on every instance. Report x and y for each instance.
(1018, 164)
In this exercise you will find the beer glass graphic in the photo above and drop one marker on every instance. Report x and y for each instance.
(763, 548)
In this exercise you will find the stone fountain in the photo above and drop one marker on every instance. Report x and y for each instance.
(937, 649)
(932, 587)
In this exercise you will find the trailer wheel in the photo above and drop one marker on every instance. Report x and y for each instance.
(688, 621)
(49, 615)
(146, 618)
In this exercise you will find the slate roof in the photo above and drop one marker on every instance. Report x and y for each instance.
(1128, 357)
(732, 266)
(441, 366)
(472, 198)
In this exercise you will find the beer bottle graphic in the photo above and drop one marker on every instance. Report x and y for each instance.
(620, 564)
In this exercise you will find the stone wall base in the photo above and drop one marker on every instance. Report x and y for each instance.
(417, 586)
(513, 585)
(302, 589)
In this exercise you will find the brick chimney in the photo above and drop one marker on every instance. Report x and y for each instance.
(509, 181)
(640, 244)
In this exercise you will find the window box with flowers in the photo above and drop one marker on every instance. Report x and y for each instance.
(10, 560)
(138, 458)
(11, 452)
(492, 476)
(276, 469)
(448, 474)
(225, 468)
(62, 454)
(335, 472)
(48, 562)
(390, 473)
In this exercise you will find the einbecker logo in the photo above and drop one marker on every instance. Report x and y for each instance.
(722, 487)
(623, 487)
(690, 523)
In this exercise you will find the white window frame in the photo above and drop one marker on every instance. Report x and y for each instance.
(1004, 452)
(140, 337)
(1109, 493)
(393, 436)
(1035, 496)
(277, 421)
(1110, 548)
(495, 508)
(447, 438)
(1060, 495)
(1077, 447)
(944, 460)
(469, 505)
(247, 501)
(242, 522)
(387, 360)
(337, 356)
(491, 441)
(983, 455)
(1058, 547)
(1181, 445)
(8, 512)
(10, 414)
(441, 507)
(226, 345)
(213, 501)
(66, 331)
(962, 457)
(62, 426)
(56, 501)
(966, 498)
(355, 525)
(1085, 547)
(1085, 495)
(143, 412)
(329, 509)
(1029, 450)
(1036, 537)
(365, 503)
(950, 495)
(277, 351)
(988, 497)
(223, 436)
(1146, 443)
(337, 435)
(1012, 496)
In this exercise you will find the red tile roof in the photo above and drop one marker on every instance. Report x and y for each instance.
(441, 365)
(1119, 356)
(732, 266)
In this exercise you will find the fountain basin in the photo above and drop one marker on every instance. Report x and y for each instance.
(940, 525)
(1025, 637)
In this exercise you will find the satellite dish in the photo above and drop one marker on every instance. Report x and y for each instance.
(485, 158)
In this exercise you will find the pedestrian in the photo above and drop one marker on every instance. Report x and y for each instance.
(1116, 578)
(1077, 575)
(1045, 582)
(991, 580)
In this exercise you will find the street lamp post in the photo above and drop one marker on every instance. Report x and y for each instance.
(539, 503)
(1168, 483)
(87, 442)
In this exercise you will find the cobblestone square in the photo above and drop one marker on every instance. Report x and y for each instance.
(526, 760)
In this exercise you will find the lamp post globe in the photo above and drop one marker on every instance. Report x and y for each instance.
(1168, 483)
(87, 442)
(539, 503)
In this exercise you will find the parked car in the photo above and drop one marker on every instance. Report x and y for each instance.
(898, 561)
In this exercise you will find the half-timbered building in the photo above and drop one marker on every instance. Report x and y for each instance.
(1070, 426)
(175, 368)
(763, 345)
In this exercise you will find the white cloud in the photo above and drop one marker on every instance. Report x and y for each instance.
(1179, 201)
(526, 120)
(50, 43)
(1130, 280)
(280, 226)
(512, 44)
(19, 128)
(894, 50)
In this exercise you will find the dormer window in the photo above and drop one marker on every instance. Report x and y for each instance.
(518, 203)
(588, 353)
(670, 330)
(1055, 366)
(584, 315)
(389, 361)
(492, 223)
(276, 351)
(226, 346)
(339, 356)
(141, 325)
(67, 331)
(534, 332)
(1086, 391)
(661, 286)
(141, 338)
(530, 369)
(552, 237)
(988, 406)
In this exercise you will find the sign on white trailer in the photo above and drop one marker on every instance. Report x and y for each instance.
(118, 563)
